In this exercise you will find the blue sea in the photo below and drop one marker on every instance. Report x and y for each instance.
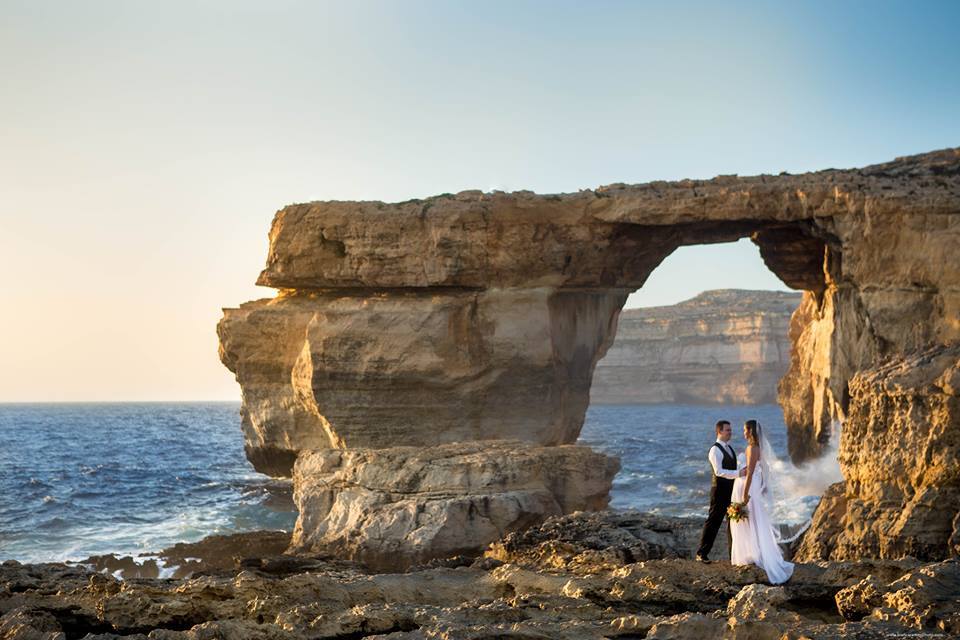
(129, 478)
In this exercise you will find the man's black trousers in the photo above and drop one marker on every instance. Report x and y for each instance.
(719, 501)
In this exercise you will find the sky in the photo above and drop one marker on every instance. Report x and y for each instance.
(145, 146)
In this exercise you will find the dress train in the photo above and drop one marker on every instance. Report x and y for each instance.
(753, 539)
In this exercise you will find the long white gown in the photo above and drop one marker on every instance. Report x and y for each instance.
(753, 540)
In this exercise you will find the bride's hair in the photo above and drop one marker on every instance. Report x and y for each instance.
(753, 432)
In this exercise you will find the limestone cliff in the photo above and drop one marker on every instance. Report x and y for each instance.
(482, 316)
(900, 457)
(725, 346)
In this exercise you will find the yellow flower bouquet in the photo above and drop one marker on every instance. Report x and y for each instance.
(737, 511)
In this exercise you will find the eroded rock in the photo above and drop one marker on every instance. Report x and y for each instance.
(900, 455)
(414, 368)
(391, 508)
(666, 598)
(482, 316)
(603, 540)
(927, 598)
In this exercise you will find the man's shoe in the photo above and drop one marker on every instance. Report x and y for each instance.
(703, 560)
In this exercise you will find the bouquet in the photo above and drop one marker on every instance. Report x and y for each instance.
(737, 511)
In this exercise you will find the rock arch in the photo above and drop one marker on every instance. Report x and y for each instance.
(470, 317)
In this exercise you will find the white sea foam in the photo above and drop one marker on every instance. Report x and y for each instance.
(797, 489)
(165, 571)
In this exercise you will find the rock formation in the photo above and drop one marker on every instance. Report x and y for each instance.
(396, 507)
(729, 346)
(482, 316)
(901, 496)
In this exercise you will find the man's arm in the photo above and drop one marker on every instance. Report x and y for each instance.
(718, 470)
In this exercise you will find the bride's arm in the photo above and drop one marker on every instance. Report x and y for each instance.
(751, 465)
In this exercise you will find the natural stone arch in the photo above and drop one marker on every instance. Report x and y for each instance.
(476, 316)
(442, 375)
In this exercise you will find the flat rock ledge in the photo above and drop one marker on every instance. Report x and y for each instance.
(401, 506)
(603, 540)
(528, 595)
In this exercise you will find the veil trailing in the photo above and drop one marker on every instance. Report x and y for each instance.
(773, 488)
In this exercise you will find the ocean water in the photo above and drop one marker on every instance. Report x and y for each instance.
(84, 479)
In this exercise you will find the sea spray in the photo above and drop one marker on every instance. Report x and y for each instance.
(797, 488)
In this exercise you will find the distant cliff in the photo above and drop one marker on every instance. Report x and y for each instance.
(723, 346)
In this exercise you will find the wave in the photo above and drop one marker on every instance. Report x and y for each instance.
(797, 488)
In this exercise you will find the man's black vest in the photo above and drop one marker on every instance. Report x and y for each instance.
(729, 462)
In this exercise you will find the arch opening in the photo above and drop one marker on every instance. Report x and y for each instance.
(694, 345)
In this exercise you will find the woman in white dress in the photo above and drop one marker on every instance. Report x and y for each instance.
(753, 538)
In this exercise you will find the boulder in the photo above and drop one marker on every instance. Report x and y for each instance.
(392, 508)
(927, 598)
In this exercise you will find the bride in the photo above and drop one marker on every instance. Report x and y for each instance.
(753, 538)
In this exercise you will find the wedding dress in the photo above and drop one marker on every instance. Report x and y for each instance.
(753, 539)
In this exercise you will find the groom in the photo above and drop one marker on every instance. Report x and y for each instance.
(723, 459)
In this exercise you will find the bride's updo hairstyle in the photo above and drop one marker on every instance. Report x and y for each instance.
(753, 432)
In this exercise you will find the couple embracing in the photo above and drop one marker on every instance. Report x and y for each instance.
(741, 492)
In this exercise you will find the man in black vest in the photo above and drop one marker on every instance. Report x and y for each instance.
(723, 459)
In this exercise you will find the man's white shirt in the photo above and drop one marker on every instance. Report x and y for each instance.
(716, 461)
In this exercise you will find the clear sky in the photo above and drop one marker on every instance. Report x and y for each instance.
(144, 146)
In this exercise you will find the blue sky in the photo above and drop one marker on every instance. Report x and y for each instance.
(145, 146)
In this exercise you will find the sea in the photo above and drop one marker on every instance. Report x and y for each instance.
(132, 478)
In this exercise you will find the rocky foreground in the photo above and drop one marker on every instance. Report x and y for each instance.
(597, 575)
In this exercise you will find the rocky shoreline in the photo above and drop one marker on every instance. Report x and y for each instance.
(605, 574)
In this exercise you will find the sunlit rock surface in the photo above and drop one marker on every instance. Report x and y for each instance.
(900, 457)
(401, 506)
(605, 595)
(475, 315)
(729, 346)
(415, 368)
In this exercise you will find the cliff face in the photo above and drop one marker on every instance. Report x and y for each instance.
(476, 316)
(380, 369)
(724, 346)
(901, 495)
